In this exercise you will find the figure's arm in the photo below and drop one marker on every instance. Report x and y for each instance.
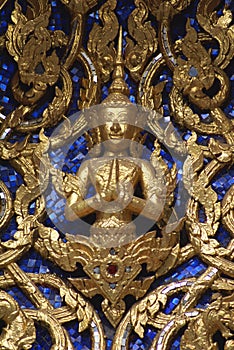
(151, 206)
(77, 206)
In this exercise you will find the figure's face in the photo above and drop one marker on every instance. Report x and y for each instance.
(118, 128)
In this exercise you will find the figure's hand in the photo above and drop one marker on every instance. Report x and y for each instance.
(125, 194)
(97, 202)
(114, 200)
(105, 196)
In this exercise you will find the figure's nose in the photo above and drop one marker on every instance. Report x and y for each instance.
(115, 127)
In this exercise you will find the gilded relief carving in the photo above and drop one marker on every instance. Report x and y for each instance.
(142, 226)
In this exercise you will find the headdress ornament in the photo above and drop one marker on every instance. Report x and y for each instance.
(118, 91)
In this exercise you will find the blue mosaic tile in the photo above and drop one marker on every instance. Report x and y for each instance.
(194, 23)
(10, 230)
(43, 339)
(109, 344)
(105, 90)
(10, 177)
(55, 206)
(53, 296)
(32, 262)
(7, 70)
(34, 138)
(214, 53)
(176, 344)
(75, 155)
(38, 112)
(77, 74)
(167, 157)
(204, 139)
(229, 110)
(56, 157)
(15, 137)
(226, 3)
(123, 10)
(205, 300)
(20, 297)
(202, 215)
(223, 236)
(23, 5)
(5, 15)
(60, 19)
(132, 88)
(145, 343)
(80, 341)
(223, 181)
(230, 4)
(179, 21)
(192, 268)
(32, 208)
(149, 143)
(172, 303)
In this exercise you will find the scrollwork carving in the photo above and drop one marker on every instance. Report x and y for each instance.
(136, 281)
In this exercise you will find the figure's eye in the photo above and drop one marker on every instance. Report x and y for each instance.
(123, 117)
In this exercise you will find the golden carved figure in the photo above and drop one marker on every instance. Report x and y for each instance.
(126, 187)
(118, 171)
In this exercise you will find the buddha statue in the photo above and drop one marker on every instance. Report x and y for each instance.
(118, 171)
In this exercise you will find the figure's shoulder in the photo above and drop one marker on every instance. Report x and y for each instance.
(91, 164)
(146, 165)
(142, 163)
(84, 167)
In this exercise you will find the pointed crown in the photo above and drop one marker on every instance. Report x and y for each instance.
(118, 91)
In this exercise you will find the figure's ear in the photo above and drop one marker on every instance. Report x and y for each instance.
(142, 117)
(92, 117)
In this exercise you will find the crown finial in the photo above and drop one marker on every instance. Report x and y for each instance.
(119, 85)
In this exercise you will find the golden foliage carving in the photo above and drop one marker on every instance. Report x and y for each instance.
(44, 59)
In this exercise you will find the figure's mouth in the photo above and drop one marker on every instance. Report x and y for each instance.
(116, 136)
